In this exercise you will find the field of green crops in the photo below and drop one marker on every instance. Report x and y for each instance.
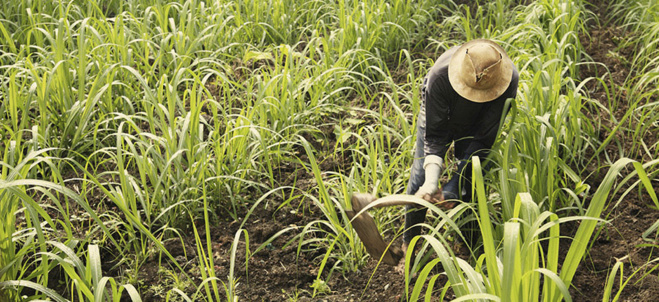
(155, 150)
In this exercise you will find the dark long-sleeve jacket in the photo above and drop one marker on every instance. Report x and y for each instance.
(450, 117)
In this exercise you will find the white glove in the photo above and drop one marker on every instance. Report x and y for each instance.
(433, 168)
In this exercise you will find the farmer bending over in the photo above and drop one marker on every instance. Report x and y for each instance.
(463, 96)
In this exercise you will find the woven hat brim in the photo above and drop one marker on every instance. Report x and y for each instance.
(480, 95)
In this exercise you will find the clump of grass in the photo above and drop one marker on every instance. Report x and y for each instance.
(639, 20)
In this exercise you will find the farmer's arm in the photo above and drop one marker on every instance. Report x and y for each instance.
(437, 138)
(438, 93)
(489, 123)
(486, 133)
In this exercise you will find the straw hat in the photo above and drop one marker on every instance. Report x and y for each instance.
(480, 70)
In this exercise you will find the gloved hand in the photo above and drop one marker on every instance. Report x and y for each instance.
(433, 168)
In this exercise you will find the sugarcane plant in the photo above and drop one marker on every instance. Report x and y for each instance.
(521, 264)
